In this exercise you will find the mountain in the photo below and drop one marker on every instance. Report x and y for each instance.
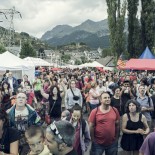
(94, 34)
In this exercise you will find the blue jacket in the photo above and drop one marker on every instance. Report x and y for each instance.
(33, 117)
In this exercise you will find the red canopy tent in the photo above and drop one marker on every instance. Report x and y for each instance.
(140, 64)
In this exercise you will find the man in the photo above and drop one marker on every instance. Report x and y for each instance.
(148, 146)
(104, 127)
(146, 104)
(13, 82)
(100, 88)
(125, 94)
(60, 138)
(21, 116)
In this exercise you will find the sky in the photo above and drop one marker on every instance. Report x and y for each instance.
(39, 16)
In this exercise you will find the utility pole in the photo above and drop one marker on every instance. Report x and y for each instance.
(9, 15)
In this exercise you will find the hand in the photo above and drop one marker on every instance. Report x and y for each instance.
(143, 109)
(140, 131)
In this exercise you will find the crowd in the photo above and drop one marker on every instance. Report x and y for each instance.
(63, 113)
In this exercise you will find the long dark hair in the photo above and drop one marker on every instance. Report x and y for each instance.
(3, 85)
(51, 90)
(4, 118)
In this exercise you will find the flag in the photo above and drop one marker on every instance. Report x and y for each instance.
(121, 63)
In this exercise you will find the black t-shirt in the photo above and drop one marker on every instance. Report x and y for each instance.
(56, 111)
(73, 152)
(9, 136)
(116, 103)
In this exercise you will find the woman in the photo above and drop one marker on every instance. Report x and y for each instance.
(55, 99)
(93, 96)
(72, 96)
(116, 100)
(134, 127)
(6, 93)
(82, 133)
(8, 136)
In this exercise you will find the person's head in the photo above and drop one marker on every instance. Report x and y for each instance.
(134, 83)
(126, 83)
(5, 85)
(76, 112)
(65, 115)
(55, 90)
(59, 137)
(105, 98)
(21, 99)
(100, 83)
(93, 84)
(4, 122)
(116, 91)
(28, 88)
(20, 89)
(46, 83)
(141, 89)
(35, 138)
(26, 83)
(10, 75)
(132, 106)
(25, 77)
(73, 84)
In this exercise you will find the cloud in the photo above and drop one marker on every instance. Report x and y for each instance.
(38, 16)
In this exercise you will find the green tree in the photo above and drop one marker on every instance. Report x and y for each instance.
(116, 21)
(27, 50)
(134, 30)
(83, 59)
(106, 52)
(66, 57)
(77, 62)
(2, 49)
(148, 23)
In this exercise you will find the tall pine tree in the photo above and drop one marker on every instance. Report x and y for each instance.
(116, 21)
(134, 30)
(148, 23)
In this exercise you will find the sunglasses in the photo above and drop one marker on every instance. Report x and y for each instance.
(56, 132)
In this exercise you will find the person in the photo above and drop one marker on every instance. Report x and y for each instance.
(82, 133)
(9, 137)
(72, 96)
(21, 116)
(94, 96)
(65, 115)
(35, 138)
(148, 147)
(126, 94)
(55, 99)
(104, 127)
(134, 126)
(13, 82)
(31, 99)
(60, 138)
(6, 93)
(146, 104)
(116, 100)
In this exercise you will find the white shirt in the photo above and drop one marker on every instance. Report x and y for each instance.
(11, 83)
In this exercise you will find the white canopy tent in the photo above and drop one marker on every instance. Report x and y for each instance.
(8, 61)
(37, 61)
(93, 64)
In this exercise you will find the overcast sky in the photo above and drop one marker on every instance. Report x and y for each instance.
(38, 16)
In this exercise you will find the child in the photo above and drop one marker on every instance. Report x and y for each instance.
(35, 138)
(82, 134)
(31, 97)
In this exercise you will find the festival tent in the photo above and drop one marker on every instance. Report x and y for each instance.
(140, 64)
(37, 61)
(9, 61)
(147, 54)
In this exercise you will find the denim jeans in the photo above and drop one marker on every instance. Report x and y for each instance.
(98, 149)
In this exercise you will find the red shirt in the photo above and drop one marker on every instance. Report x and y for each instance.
(30, 98)
(104, 132)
